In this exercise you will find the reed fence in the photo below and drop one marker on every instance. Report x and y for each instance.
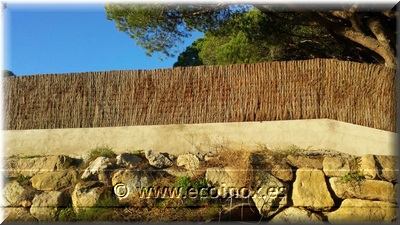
(357, 93)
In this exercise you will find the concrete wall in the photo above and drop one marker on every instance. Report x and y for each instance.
(177, 139)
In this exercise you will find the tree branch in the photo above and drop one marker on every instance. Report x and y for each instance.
(359, 37)
(274, 16)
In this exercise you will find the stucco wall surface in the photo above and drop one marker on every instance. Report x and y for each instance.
(177, 139)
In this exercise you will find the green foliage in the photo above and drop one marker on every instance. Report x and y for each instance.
(138, 152)
(198, 184)
(185, 182)
(354, 175)
(251, 37)
(241, 33)
(67, 214)
(190, 57)
(163, 27)
(8, 73)
(104, 151)
(21, 179)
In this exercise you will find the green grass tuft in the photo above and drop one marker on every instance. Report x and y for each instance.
(104, 151)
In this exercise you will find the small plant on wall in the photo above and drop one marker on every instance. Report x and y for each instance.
(354, 175)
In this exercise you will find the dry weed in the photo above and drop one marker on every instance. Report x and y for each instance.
(237, 159)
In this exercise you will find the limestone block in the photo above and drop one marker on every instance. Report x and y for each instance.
(189, 161)
(14, 194)
(388, 167)
(301, 161)
(335, 166)
(296, 215)
(365, 189)
(158, 160)
(367, 167)
(134, 181)
(311, 191)
(94, 168)
(357, 210)
(128, 159)
(87, 194)
(270, 194)
(18, 214)
(54, 181)
(46, 205)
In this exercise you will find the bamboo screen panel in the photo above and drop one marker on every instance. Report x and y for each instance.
(357, 93)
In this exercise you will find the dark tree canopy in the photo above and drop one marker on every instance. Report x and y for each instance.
(244, 33)
(8, 73)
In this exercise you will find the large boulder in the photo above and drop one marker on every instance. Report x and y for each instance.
(335, 166)
(132, 181)
(128, 159)
(388, 167)
(54, 181)
(95, 168)
(226, 176)
(310, 190)
(18, 214)
(273, 163)
(302, 161)
(158, 160)
(357, 210)
(367, 166)
(366, 189)
(282, 171)
(46, 205)
(87, 194)
(296, 215)
(228, 181)
(15, 194)
(188, 161)
(269, 193)
(30, 166)
(179, 172)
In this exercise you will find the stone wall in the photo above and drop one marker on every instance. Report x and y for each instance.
(293, 185)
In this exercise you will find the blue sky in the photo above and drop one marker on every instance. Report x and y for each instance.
(43, 39)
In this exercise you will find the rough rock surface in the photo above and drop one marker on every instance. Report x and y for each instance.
(128, 159)
(300, 161)
(311, 191)
(270, 193)
(282, 171)
(94, 168)
(133, 180)
(14, 194)
(189, 161)
(296, 215)
(366, 189)
(388, 167)
(54, 181)
(30, 166)
(87, 194)
(179, 172)
(159, 160)
(46, 205)
(357, 210)
(18, 214)
(226, 176)
(367, 166)
(336, 166)
(273, 163)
